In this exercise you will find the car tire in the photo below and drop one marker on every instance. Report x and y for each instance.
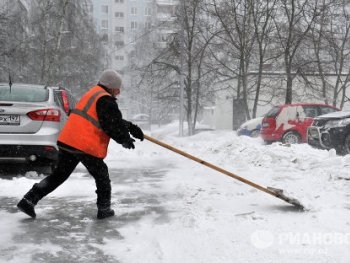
(291, 137)
(346, 147)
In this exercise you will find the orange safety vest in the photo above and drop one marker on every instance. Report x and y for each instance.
(82, 129)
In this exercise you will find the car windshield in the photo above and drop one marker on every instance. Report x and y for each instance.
(23, 93)
(273, 112)
(325, 110)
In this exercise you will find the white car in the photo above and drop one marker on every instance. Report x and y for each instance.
(31, 117)
(251, 127)
(142, 120)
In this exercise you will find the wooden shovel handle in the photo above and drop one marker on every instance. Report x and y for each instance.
(243, 180)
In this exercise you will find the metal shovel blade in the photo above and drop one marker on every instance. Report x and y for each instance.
(279, 194)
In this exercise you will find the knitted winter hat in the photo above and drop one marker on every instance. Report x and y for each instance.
(110, 79)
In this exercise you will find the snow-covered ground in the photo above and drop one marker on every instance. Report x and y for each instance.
(173, 209)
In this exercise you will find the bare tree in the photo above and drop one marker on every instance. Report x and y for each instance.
(331, 50)
(13, 23)
(165, 69)
(338, 39)
(244, 36)
(300, 16)
(152, 74)
(65, 44)
(263, 12)
(56, 44)
(319, 46)
(58, 38)
(236, 19)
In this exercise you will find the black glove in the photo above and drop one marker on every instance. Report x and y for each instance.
(136, 131)
(129, 144)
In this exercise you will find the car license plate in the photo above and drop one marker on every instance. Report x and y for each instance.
(9, 120)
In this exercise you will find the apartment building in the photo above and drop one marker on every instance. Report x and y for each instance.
(165, 17)
(121, 23)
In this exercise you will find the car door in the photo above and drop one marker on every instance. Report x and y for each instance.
(310, 112)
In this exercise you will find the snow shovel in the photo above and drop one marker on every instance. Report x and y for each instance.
(270, 190)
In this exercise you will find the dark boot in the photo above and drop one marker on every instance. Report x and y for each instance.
(28, 202)
(104, 204)
(104, 213)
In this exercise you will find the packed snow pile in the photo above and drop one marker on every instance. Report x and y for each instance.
(172, 209)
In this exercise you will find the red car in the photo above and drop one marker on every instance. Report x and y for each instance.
(289, 122)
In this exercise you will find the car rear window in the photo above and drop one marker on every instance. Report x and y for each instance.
(23, 93)
(273, 112)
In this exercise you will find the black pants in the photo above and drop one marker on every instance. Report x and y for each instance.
(67, 161)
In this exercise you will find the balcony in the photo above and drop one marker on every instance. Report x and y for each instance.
(167, 2)
(165, 17)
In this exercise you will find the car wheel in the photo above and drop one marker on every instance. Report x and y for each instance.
(291, 137)
(255, 133)
(346, 148)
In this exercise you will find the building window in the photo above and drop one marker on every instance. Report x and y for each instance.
(120, 58)
(118, 14)
(119, 44)
(133, 24)
(166, 10)
(119, 29)
(133, 10)
(104, 9)
(104, 37)
(148, 24)
(163, 37)
(134, 38)
(119, 1)
(104, 24)
(148, 11)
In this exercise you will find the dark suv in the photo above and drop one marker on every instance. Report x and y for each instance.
(331, 131)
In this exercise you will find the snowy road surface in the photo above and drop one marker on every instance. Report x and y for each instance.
(171, 209)
(68, 227)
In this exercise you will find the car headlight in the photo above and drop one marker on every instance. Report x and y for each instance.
(337, 123)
